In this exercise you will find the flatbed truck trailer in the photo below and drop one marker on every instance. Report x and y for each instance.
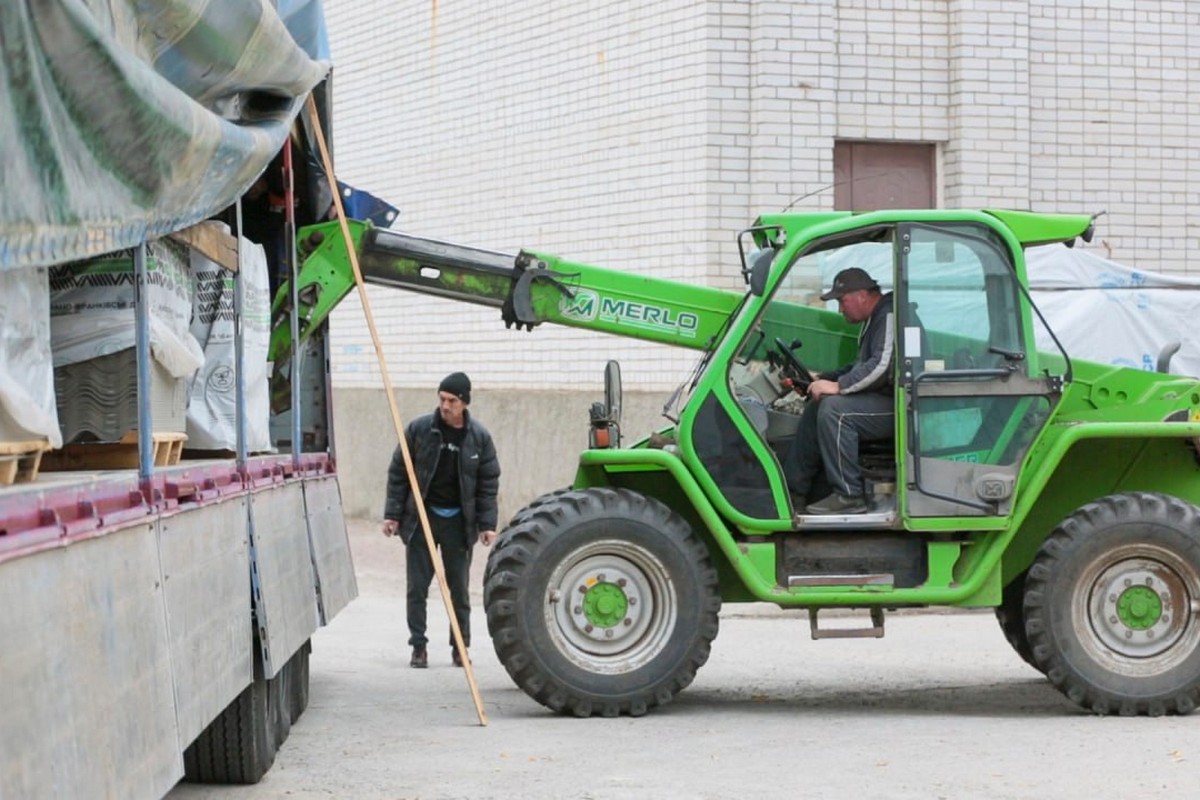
(156, 612)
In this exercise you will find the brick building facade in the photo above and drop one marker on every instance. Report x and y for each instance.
(644, 135)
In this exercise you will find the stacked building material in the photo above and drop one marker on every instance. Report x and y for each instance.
(97, 398)
(93, 331)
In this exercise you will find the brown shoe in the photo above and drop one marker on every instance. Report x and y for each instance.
(420, 658)
(455, 657)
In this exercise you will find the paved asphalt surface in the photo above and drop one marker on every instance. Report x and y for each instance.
(939, 708)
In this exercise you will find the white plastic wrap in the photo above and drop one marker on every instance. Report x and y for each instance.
(1104, 311)
(212, 400)
(27, 405)
(1100, 310)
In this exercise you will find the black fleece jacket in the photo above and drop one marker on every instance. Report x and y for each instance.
(478, 476)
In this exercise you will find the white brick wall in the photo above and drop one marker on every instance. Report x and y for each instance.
(644, 135)
(575, 128)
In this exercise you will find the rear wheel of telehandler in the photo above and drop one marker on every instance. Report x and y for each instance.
(602, 601)
(1112, 605)
(1011, 616)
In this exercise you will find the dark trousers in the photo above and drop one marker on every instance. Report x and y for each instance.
(826, 443)
(450, 534)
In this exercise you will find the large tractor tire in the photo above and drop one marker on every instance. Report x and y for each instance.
(1011, 616)
(1112, 606)
(602, 601)
(534, 505)
(503, 539)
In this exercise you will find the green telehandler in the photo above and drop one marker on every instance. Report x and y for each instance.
(1059, 492)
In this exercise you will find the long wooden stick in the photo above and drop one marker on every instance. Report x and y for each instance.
(435, 556)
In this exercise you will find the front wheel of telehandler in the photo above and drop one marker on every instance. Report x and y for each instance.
(1112, 605)
(503, 539)
(1011, 616)
(602, 601)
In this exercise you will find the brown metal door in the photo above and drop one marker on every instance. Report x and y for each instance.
(876, 175)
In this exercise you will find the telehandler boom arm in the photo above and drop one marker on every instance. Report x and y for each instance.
(529, 288)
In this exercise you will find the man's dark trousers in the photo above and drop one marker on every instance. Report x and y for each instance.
(826, 443)
(451, 537)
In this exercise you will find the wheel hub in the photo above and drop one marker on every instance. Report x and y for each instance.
(605, 604)
(1140, 607)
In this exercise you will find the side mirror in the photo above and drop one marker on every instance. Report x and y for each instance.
(760, 270)
(612, 390)
(605, 430)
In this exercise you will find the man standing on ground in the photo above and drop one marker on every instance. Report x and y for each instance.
(851, 404)
(459, 476)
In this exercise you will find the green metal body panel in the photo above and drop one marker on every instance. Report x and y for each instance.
(626, 304)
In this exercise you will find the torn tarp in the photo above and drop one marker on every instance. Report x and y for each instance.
(124, 120)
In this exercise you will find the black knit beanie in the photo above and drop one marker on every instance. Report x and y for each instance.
(457, 384)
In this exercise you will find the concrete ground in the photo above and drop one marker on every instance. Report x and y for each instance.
(939, 708)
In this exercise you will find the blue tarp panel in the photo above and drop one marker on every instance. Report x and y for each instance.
(123, 120)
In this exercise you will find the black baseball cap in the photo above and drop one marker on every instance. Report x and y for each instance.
(849, 280)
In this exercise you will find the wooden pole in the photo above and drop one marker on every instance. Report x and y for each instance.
(436, 557)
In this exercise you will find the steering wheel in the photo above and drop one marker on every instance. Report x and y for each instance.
(793, 370)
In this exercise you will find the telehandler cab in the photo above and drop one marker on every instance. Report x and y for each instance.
(1062, 493)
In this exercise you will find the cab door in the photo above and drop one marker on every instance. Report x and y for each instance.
(972, 397)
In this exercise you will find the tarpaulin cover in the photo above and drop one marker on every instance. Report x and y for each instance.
(123, 120)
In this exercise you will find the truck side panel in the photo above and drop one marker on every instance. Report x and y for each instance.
(284, 592)
(206, 579)
(127, 627)
(87, 666)
(336, 585)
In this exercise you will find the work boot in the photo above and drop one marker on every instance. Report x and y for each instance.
(839, 504)
(420, 658)
(455, 657)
